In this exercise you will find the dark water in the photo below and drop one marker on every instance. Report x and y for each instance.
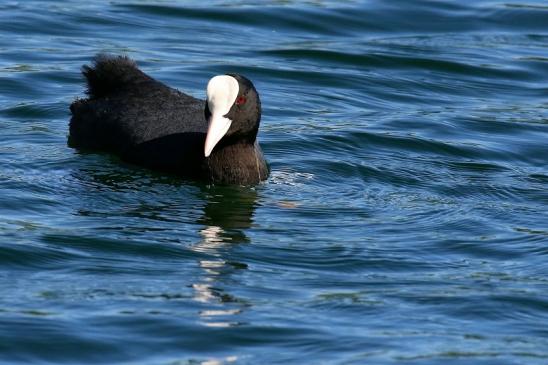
(404, 222)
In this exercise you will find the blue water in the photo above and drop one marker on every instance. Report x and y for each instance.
(405, 220)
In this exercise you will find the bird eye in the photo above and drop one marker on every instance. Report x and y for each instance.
(241, 100)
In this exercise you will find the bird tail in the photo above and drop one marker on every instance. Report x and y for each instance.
(109, 73)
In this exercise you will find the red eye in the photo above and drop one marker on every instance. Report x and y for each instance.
(241, 100)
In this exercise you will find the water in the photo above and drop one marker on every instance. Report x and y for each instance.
(404, 222)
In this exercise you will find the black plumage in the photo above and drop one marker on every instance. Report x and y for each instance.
(148, 123)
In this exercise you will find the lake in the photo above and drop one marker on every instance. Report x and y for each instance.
(404, 222)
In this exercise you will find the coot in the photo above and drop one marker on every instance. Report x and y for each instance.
(145, 122)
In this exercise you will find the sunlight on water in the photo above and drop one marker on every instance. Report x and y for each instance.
(290, 178)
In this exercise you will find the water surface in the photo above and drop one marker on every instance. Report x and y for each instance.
(404, 221)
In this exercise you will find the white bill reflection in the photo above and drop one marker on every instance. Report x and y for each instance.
(206, 291)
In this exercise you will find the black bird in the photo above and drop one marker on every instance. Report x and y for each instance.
(145, 122)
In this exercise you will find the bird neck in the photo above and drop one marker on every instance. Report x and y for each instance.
(241, 163)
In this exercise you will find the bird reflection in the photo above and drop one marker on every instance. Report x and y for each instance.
(229, 211)
(224, 220)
